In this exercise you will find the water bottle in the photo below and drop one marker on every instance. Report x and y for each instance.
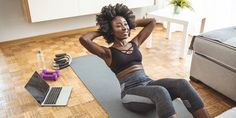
(40, 60)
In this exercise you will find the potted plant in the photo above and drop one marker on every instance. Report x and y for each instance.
(180, 4)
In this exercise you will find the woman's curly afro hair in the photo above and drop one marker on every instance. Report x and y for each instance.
(108, 13)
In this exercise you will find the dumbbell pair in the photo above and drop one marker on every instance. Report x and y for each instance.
(50, 74)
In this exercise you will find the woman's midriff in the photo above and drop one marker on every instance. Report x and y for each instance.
(128, 70)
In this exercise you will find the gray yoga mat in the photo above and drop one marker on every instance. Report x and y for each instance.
(104, 86)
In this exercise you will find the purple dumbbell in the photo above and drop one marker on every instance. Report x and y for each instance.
(50, 74)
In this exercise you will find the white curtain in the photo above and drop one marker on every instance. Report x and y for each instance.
(218, 13)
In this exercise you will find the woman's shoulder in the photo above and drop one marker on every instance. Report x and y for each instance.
(134, 43)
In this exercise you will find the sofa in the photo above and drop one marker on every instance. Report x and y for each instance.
(214, 60)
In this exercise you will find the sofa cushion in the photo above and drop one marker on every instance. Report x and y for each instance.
(222, 35)
(216, 51)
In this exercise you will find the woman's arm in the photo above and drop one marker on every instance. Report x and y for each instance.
(87, 41)
(148, 25)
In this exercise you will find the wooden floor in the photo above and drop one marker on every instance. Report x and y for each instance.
(18, 62)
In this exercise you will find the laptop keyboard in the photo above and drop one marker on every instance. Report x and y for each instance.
(53, 95)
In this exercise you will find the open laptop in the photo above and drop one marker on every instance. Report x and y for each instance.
(46, 95)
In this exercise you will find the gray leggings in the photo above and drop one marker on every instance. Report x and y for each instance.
(141, 94)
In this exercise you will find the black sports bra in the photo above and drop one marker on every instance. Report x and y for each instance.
(121, 60)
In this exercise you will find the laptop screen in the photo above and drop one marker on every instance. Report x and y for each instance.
(37, 87)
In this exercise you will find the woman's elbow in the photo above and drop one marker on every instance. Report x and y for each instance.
(82, 40)
(153, 21)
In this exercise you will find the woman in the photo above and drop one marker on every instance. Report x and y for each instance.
(139, 92)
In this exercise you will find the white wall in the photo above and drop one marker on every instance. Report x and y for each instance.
(14, 26)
